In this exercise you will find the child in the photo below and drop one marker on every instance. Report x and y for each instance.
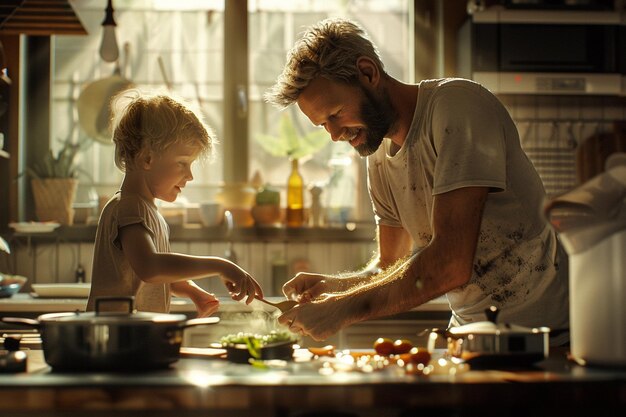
(157, 139)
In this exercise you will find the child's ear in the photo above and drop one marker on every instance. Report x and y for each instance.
(145, 159)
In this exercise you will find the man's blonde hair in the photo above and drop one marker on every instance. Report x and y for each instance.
(328, 49)
(143, 121)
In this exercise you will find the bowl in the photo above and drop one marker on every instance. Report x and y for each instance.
(236, 195)
(266, 214)
(242, 217)
(239, 353)
(211, 214)
(11, 284)
(273, 345)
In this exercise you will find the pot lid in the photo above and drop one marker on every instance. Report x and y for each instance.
(102, 316)
(491, 327)
(112, 318)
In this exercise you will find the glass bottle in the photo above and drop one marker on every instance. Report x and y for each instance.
(295, 197)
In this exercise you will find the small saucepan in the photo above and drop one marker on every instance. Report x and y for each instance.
(107, 341)
(487, 344)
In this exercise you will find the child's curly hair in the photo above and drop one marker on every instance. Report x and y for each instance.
(143, 121)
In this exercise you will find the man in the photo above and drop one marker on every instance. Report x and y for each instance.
(457, 202)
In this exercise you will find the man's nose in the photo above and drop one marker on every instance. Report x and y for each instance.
(334, 131)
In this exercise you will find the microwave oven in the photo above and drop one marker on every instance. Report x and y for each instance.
(544, 51)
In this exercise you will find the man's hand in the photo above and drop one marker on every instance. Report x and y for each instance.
(306, 286)
(320, 318)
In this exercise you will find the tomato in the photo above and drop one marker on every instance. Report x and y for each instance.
(384, 346)
(401, 346)
(420, 355)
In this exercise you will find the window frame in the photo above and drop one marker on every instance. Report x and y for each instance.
(235, 136)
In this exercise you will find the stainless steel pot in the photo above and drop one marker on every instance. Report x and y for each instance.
(105, 341)
(488, 344)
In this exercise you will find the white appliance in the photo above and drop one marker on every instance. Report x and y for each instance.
(591, 221)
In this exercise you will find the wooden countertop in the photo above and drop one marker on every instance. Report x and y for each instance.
(555, 387)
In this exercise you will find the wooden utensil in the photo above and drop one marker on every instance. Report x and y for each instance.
(282, 306)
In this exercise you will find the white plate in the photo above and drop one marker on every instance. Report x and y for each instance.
(34, 227)
(62, 290)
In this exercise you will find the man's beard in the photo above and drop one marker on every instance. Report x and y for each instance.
(378, 116)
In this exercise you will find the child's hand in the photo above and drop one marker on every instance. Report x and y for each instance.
(207, 305)
(240, 284)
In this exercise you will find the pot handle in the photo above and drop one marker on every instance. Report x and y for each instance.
(130, 301)
(492, 313)
(21, 320)
(200, 322)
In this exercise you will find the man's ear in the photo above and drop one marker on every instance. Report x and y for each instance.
(369, 73)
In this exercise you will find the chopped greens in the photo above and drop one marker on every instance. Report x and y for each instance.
(255, 342)
(275, 336)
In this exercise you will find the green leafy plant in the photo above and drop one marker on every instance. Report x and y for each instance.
(61, 165)
(290, 143)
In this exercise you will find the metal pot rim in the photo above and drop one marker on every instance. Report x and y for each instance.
(112, 318)
(496, 330)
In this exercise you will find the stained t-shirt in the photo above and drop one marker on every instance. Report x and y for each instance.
(112, 274)
(462, 136)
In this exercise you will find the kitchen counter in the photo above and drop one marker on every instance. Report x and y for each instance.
(213, 386)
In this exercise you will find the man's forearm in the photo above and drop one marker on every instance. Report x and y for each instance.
(401, 287)
(370, 273)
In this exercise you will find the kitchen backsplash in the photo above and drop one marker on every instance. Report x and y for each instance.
(551, 128)
(271, 263)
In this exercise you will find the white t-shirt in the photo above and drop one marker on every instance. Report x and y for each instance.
(462, 136)
(112, 275)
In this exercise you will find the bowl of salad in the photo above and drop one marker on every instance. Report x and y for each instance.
(245, 347)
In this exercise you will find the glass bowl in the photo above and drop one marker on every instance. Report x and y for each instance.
(11, 284)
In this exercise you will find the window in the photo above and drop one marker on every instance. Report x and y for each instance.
(188, 37)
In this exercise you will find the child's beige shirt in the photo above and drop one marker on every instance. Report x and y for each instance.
(112, 274)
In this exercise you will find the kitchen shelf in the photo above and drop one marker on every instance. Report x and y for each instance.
(358, 232)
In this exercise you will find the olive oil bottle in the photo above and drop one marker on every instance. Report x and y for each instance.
(295, 196)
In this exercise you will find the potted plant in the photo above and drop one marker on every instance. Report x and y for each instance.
(54, 182)
(290, 143)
